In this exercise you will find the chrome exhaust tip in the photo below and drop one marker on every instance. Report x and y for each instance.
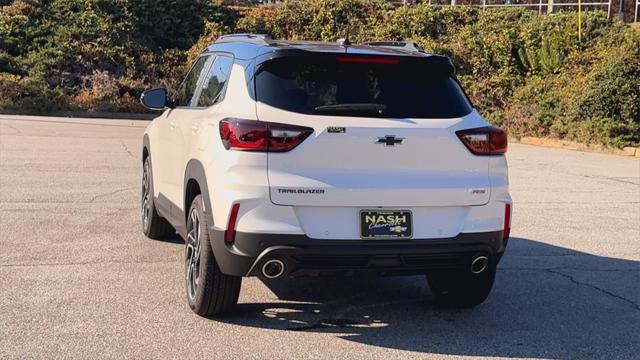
(479, 264)
(272, 269)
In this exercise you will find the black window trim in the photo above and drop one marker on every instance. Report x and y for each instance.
(464, 92)
(204, 74)
(200, 77)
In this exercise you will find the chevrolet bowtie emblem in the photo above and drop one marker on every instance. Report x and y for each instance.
(398, 229)
(390, 140)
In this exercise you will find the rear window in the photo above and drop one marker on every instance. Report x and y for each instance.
(348, 86)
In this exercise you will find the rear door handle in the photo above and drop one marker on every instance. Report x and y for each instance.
(195, 128)
(172, 125)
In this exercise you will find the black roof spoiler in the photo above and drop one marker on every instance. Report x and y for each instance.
(404, 45)
(253, 38)
(272, 48)
(267, 39)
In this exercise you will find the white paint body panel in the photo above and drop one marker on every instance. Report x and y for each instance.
(430, 168)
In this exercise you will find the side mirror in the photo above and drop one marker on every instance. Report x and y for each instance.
(155, 99)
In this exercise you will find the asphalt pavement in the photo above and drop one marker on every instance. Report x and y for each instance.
(78, 279)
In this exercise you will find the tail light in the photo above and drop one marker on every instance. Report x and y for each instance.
(230, 234)
(252, 135)
(507, 222)
(487, 140)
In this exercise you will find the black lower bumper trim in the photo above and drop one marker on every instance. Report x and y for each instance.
(304, 256)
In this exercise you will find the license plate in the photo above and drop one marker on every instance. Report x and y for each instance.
(385, 224)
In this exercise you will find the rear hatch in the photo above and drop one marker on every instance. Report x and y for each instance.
(383, 133)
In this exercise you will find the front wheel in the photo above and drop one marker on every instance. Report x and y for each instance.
(462, 289)
(209, 291)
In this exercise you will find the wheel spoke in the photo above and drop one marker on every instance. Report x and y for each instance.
(196, 275)
(194, 283)
(193, 219)
(144, 179)
(191, 248)
(189, 255)
(190, 279)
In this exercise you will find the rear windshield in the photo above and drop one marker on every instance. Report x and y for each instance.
(347, 87)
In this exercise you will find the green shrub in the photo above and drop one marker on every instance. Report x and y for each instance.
(424, 21)
(608, 110)
(173, 23)
(551, 55)
(317, 19)
(61, 48)
(548, 59)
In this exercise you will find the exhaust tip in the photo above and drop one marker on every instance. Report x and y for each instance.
(272, 269)
(479, 264)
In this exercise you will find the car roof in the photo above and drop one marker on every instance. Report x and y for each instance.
(249, 46)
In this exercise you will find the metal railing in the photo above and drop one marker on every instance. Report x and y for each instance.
(548, 5)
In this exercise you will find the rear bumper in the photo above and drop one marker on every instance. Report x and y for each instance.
(303, 256)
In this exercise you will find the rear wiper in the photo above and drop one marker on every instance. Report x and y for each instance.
(364, 107)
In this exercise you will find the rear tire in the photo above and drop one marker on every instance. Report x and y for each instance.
(209, 291)
(462, 289)
(153, 225)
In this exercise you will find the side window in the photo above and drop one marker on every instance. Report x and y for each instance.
(188, 87)
(213, 84)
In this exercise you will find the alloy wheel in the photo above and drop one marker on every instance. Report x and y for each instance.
(145, 211)
(192, 253)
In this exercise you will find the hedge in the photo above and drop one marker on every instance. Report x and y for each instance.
(526, 72)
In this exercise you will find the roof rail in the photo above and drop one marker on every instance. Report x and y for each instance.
(405, 45)
(244, 37)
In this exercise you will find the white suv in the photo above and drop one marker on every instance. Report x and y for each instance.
(297, 158)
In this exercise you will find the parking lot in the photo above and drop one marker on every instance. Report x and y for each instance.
(79, 280)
